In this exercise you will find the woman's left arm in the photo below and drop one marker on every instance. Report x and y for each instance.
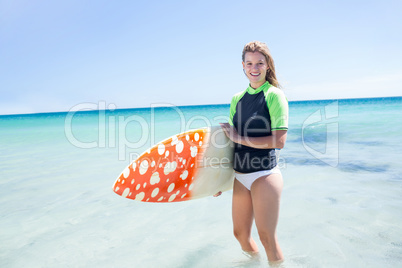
(275, 141)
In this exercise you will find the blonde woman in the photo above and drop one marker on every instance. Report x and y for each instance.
(258, 125)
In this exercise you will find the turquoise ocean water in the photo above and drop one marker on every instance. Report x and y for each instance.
(341, 203)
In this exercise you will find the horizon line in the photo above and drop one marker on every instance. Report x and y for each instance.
(184, 106)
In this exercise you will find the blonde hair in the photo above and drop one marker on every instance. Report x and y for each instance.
(257, 46)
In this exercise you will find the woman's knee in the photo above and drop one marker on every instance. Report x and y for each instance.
(268, 239)
(241, 235)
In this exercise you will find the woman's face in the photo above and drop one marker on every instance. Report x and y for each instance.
(255, 66)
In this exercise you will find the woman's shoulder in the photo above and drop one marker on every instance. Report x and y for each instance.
(275, 96)
(274, 92)
(239, 95)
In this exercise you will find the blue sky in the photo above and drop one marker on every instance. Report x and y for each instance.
(55, 55)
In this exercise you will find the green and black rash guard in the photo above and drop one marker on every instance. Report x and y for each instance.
(256, 113)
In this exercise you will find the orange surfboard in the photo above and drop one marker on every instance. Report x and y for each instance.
(190, 165)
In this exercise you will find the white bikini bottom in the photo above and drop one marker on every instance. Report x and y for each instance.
(247, 179)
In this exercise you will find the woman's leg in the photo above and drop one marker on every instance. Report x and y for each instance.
(242, 213)
(266, 193)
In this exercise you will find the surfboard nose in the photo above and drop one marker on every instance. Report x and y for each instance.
(164, 173)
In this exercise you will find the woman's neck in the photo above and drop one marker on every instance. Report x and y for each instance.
(257, 85)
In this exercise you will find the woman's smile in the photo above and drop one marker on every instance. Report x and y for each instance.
(255, 66)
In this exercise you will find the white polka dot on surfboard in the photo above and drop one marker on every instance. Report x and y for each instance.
(161, 149)
(134, 166)
(126, 172)
(170, 167)
(144, 167)
(140, 196)
(171, 187)
(184, 175)
(194, 151)
(196, 136)
(179, 147)
(154, 178)
(175, 140)
(125, 192)
(155, 192)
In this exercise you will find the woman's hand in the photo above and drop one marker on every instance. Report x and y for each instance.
(231, 132)
(276, 140)
(217, 194)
